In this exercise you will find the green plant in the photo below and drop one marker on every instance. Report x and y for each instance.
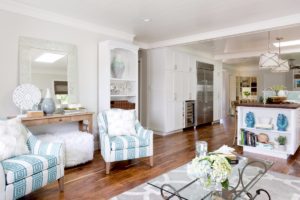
(281, 140)
(277, 88)
(247, 93)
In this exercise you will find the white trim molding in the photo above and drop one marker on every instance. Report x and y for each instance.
(22, 9)
(250, 54)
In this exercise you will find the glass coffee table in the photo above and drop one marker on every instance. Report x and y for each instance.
(177, 184)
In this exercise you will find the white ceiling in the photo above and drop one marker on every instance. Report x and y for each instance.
(245, 49)
(170, 18)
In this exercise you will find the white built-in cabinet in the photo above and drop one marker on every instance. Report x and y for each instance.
(171, 82)
(111, 88)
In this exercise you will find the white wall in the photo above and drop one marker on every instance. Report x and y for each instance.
(13, 26)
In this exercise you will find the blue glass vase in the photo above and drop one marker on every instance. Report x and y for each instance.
(282, 122)
(250, 120)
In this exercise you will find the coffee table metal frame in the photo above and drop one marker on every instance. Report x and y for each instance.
(234, 191)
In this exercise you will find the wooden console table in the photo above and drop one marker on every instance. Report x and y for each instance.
(62, 118)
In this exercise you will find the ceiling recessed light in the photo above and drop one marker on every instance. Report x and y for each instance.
(147, 20)
(287, 43)
(49, 57)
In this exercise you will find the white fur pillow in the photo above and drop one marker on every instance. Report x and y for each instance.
(120, 122)
(13, 137)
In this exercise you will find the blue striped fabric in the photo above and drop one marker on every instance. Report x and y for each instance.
(131, 153)
(20, 167)
(32, 183)
(44, 148)
(127, 142)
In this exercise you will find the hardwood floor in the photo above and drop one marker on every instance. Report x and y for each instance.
(89, 181)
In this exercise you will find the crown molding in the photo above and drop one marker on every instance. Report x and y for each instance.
(22, 9)
(275, 23)
(227, 56)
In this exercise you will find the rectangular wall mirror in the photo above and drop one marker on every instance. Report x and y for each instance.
(48, 64)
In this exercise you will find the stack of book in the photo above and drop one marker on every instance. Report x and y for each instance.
(248, 138)
(74, 108)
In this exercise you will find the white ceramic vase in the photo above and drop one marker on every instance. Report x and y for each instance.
(282, 93)
(117, 67)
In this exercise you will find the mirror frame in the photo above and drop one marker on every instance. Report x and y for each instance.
(27, 43)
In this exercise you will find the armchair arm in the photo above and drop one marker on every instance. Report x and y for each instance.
(144, 133)
(37, 147)
(2, 182)
(104, 144)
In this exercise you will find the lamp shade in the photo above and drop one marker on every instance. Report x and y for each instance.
(283, 66)
(268, 60)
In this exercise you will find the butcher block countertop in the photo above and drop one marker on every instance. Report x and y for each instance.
(283, 105)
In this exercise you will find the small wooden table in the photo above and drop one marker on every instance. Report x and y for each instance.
(62, 118)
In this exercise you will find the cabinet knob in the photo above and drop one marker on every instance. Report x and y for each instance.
(175, 67)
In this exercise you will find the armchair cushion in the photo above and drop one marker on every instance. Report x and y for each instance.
(120, 122)
(13, 137)
(127, 142)
(20, 167)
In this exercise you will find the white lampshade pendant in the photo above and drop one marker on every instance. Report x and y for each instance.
(268, 60)
(283, 66)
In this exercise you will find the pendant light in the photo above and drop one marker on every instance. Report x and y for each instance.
(282, 65)
(268, 60)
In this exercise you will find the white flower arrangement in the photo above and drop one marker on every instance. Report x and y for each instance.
(211, 170)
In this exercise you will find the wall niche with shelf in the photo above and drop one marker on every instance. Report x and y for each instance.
(118, 75)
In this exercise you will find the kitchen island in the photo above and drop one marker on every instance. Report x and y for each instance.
(264, 126)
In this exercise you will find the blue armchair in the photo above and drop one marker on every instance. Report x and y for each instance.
(124, 147)
(21, 175)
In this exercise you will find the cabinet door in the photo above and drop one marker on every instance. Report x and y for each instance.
(169, 83)
(192, 85)
(178, 121)
(186, 83)
(189, 84)
(169, 59)
(181, 61)
(178, 86)
(192, 64)
(174, 116)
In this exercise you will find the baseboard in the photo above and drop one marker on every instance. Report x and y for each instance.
(167, 133)
(219, 121)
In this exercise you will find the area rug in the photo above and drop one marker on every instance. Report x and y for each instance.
(280, 186)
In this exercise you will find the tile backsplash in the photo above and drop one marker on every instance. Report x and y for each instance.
(292, 95)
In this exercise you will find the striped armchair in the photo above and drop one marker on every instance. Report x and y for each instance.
(125, 147)
(21, 175)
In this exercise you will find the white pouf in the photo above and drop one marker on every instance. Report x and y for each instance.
(79, 146)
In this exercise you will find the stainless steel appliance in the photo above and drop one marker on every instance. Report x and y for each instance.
(189, 113)
(204, 102)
